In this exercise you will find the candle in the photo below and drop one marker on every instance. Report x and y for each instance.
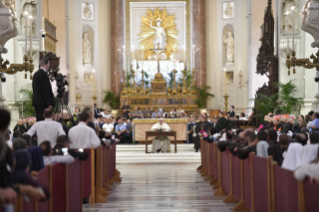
(31, 35)
(287, 13)
(26, 31)
(293, 27)
(93, 82)
(133, 50)
(123, 57)
(193, 56)
(225, 82)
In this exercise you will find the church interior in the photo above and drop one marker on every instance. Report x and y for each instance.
(195, 105)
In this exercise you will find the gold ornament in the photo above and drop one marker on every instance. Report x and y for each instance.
(147, 33)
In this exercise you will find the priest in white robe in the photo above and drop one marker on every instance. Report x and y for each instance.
(160, 143)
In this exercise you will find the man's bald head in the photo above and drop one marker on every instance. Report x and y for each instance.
(301, 138)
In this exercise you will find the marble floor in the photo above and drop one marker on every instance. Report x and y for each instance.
(160, 183)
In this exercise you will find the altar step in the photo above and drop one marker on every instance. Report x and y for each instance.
(141, 147)
(133, 154)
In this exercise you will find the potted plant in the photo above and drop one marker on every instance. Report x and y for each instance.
(113, 101)
(26, 104)
(203, 95)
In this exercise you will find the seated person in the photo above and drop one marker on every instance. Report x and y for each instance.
(243, 152)
(156, 114)
(126, 110)
(160, 143)
(120, 130)
(243, 117)
(136, 113)
(20, 173)
(213, 136)
(129, 131)
(64, 141)
(56, 156)
(147, 113)
(83, 136)
(172, 113)
(108, 125)
(222, 145)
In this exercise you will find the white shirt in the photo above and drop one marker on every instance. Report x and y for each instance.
(65, 159)
(163, 126)
(311, 170)
(43, 69)
(82, 136)
(47, 130)
(108, 127)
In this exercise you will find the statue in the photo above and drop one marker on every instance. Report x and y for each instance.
(160, 35)
(31, 9)
(87, 50)
(287, 5)
(229, 10)
(11, 4)
(229, 48)
(87, 11)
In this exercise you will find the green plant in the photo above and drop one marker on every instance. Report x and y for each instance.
(170, 79)
(111, 99)
(188, 77)
(28, 109)
(203, 95)
(128, 80)
(283, 102)
(145, 80)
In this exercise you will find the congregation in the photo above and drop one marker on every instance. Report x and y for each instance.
(33, 145)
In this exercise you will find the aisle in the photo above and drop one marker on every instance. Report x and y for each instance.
(160, 182)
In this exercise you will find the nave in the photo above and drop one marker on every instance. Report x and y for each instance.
(160, 182)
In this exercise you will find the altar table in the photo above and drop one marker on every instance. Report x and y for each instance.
(160, 133)
(143, 125)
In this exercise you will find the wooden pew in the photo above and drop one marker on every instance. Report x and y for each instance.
(59, 188)
(100, 192)
(44, 177)
(261, 183)
(285, 187)
(88, 172)
(309, 196)
(113, 173)
(74, 186)
(201, 168)
(212, 163)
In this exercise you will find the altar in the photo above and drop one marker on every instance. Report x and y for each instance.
(143, 125)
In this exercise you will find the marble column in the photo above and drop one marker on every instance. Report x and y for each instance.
(199, 40)
(117, 36)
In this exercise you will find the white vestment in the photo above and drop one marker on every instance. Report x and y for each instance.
(162, 143)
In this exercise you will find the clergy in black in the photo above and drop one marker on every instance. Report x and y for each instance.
(42, 90)
(201, 126)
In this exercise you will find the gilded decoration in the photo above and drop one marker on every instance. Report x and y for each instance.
(147, 33)
(128, 31)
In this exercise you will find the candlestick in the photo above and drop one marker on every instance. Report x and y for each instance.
(30, 17)
(26, 31)
(288, 50)
(225, 81)
(293, 27)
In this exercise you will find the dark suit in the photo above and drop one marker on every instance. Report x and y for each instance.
(199, 127)
(96, 113)
(42, 93)
(231, 113)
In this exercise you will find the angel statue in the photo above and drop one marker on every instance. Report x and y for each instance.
(160, 35)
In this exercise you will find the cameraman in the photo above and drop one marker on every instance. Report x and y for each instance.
(42, 90)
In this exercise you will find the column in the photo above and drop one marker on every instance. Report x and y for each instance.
(117, 36)
(199, 40)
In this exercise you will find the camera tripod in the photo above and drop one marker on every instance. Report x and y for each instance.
(61, 102)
